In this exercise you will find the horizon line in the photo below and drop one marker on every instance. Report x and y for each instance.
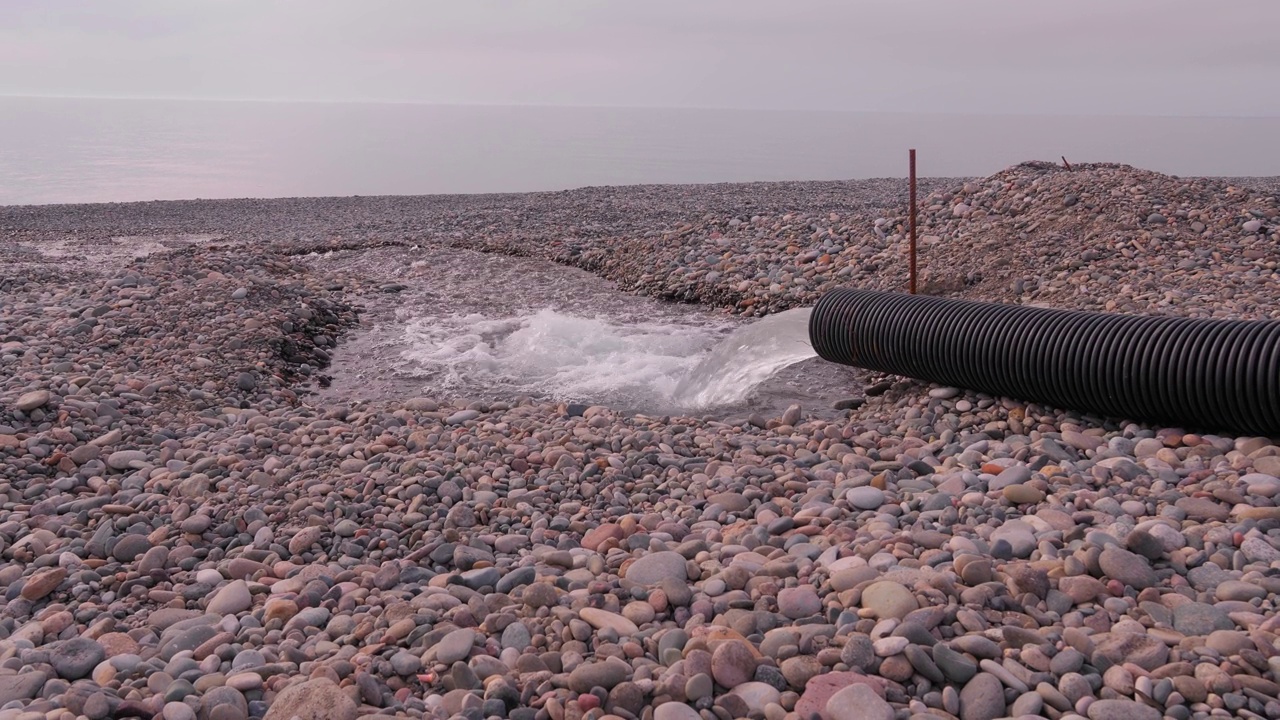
(590, 106)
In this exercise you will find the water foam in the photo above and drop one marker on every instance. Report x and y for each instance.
(564, 356)
(625, 361)
(747, 358)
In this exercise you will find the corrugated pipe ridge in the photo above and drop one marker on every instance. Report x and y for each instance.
(1218, 374)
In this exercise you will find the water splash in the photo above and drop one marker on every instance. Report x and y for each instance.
(654, 364)
(567, 357)
(747, 358)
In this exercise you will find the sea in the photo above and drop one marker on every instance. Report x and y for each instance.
(90, 150)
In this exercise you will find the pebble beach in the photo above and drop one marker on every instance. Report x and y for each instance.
(191, 529)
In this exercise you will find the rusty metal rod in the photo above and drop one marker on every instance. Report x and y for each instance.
(913, 221)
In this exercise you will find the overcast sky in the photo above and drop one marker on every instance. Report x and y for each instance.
(1130, 57)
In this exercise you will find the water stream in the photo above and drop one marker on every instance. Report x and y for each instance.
(749, 356)
(473, 326)
(577, 356)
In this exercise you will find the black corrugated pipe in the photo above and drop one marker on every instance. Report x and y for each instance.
(1218, 374)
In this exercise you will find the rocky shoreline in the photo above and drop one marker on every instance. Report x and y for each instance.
(187, 532)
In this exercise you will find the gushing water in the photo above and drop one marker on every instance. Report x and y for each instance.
(479, 327)
(552, 353)
(748, 357)
(646, 364)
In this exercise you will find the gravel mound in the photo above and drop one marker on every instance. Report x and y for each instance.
(1099, 237)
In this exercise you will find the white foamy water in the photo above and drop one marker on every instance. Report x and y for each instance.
(747, 358)
(558, 354)
(475, 327)
(573, 357)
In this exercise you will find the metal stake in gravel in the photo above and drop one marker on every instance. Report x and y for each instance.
(912, 155)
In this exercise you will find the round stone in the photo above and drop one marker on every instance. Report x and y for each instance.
(675, 711)
(732, 664)
(605, 674)
(757, 696)
(1200, 619)
(1238, 590)
(698, 687)
(97, 706)
(124, 459)
(455, 646)
(539, 595)
(231, 599)
(178, 711)
(405, 663)
(865, 498)
(1122, 710)
(799, 602)
(888, 599)
(1023, 494)
(1127, 567)
(653, 568)
(32, 400)
(982, 698)
(75, 658)
(858, 702)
